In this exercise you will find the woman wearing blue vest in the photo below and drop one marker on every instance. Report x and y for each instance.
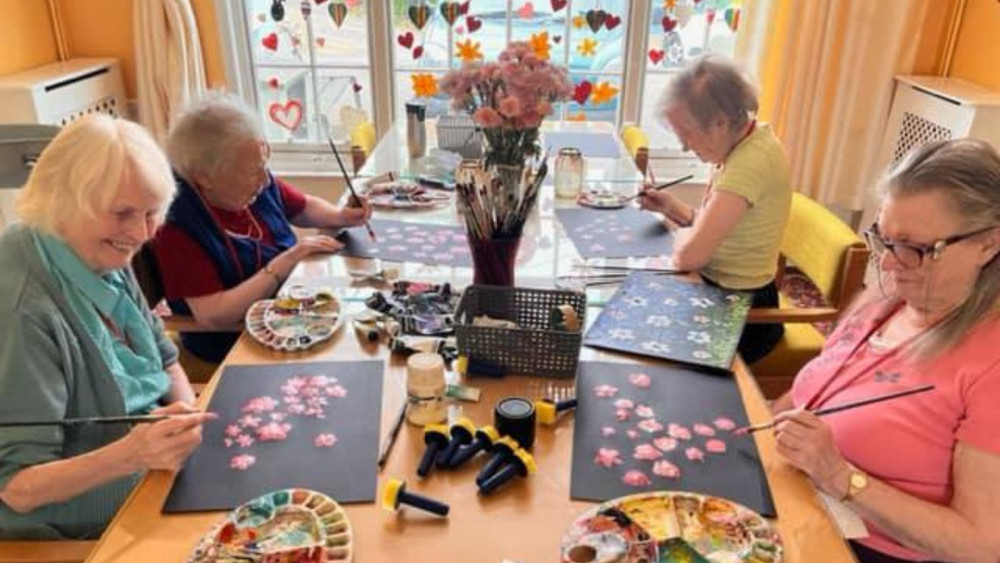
(228, 239)
(78, 340)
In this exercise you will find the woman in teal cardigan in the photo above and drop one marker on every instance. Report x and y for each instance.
(78, 340)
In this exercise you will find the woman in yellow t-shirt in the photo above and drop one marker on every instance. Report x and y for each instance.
(735, 234)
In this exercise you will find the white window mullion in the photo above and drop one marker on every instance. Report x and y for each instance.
(634, 77)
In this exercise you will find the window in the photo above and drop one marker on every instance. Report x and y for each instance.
(585, 36)
(312, 75)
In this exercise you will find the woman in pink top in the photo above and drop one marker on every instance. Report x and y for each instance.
(923, 471)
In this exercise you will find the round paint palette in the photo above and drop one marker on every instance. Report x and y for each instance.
(602, 200)
(668, 526)
(393, 195)
(284, 525)
(294, 321)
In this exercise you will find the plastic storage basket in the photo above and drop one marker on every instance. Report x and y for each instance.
(458, 133)
(534, 348)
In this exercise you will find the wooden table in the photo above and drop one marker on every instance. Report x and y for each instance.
(525, 521)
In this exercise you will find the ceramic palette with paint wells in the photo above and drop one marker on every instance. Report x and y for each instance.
(286, 525)
(295, 320)
(671, 527)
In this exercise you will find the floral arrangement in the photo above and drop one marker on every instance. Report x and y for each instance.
(509, 99)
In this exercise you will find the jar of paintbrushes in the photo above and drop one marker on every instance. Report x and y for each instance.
(494, 206)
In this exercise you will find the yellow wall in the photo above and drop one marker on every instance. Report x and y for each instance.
(977, 51)
(26, 38)
(92, 28)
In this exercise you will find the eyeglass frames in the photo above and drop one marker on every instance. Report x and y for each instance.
(912, 255)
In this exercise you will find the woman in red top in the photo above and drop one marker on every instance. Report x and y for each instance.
(922, 471)
(228, 240)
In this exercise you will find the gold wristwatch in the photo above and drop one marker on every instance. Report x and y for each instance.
(857, 481)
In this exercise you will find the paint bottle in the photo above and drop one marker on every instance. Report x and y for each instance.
(425, 387)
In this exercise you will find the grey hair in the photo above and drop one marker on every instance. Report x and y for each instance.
(80, 173)
(208, 132)
(967, 173)
(711, 87)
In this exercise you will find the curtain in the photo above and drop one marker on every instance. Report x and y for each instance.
(169, 66)
(826, 71)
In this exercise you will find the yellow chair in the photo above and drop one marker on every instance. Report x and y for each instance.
(363, 139)
(63, 551)
(834, 258)
(147, 273)
(637, 143)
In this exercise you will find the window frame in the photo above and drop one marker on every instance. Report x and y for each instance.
(317, 160)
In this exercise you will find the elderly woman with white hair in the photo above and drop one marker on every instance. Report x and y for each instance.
(735, 234)
(78, 339)
(923, 471)
(228, 239)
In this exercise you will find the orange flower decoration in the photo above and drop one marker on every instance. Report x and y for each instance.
(469, 51)
(579, 21)
(424, 85)
(540, 44)
(576, 117)
(587, 47)
(603, 92)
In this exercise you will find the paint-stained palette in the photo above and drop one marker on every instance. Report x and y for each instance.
(284, 525)
(671, 527)
(294, 322)
(396, 195)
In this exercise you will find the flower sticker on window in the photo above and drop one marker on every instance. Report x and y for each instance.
(603, 92)
(540, 44)
(424, 85)
(587, 47)
(469, 51)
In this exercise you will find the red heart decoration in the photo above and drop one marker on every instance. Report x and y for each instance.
(612, 22)
(418, 51)
(320, 2)
(273, 83)
(288, 115)
(656, 55)
(710, 16)
(356, 86)
(558, 5)
(405, 39)
(473, 24)
(668, 24)
(321, 41)
(270, 41)
(582, 92)
(463, 9)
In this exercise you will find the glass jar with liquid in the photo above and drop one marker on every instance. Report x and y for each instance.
(571, 169)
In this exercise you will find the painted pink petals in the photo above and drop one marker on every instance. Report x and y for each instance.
(242, 462)
(723, 423)
(664, 468)
(624, 404)
(678, 431)
(605, 391)
(640, 380)
(715, 446)
(635, 478)
(622, 414)
(646, 452)
(704, 430)
(608, 457)
(644, 411)
(324, 440)
(665, 443)
(607, 431)
(694, 454)
(650, 425)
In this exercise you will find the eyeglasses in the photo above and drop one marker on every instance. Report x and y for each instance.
(912, 255)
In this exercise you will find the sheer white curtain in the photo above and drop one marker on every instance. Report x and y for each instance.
(170, 70)
(826, 72)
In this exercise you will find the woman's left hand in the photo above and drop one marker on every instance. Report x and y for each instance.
(807, 443)
(357, 211)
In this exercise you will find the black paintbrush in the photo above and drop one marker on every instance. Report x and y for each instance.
(842, 407)
(680, 180)
(350, 186)
(137, 419)
(628, 269)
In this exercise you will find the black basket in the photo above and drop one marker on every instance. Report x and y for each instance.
(535, 348)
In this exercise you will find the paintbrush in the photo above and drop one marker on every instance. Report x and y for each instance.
(390, 440)
(350, 186)
(842, 407)
(136, 419)
(680, 180)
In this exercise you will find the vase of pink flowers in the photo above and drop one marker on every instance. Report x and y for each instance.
(508, 99)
